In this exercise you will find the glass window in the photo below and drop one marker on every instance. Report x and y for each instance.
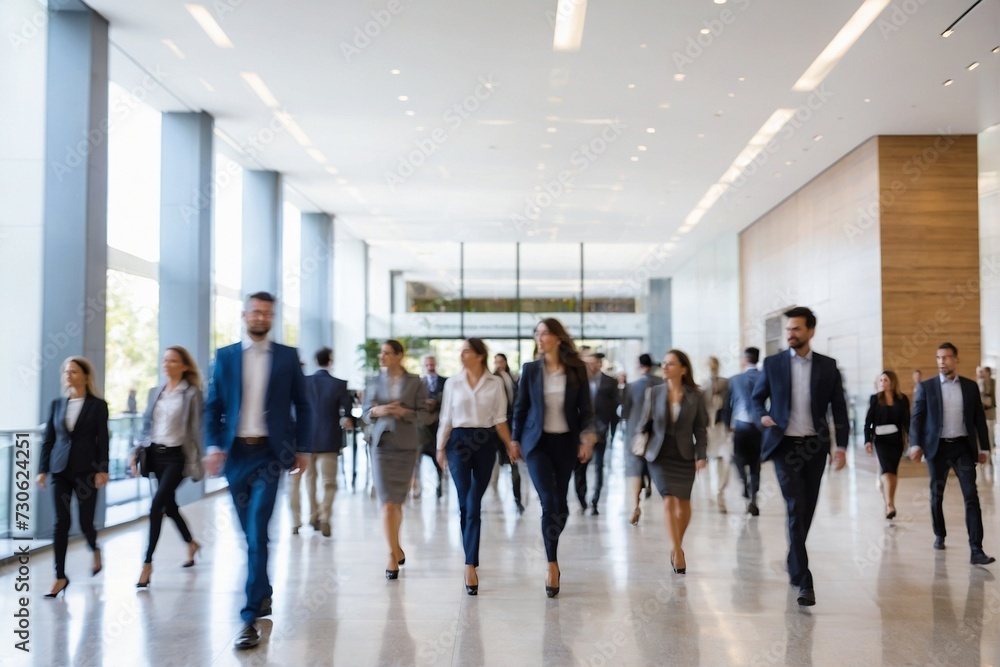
(133, 175)
(550, 285)
(132, 356)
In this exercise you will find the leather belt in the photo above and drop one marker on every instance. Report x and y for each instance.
(963, 438)
(162, 449)
(258, 440)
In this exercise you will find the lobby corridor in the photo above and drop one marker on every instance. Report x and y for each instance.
(885, 597)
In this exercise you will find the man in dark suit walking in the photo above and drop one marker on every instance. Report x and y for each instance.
(428, 435)
(801, 385)
(948, 426)
(737, 414)
(250, 436)
(604, 398)
(331, 404)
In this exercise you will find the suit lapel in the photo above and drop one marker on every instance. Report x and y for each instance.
(88, 401)
(815, 376)
(61, 415)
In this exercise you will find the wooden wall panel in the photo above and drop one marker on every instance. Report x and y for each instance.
(929, 231)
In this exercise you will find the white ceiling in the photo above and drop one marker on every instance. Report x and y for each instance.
(487, 167)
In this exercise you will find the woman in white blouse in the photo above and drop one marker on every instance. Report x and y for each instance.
(473, 416)
(172, 438)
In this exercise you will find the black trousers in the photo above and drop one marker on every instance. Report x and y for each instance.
(167, 463)
(63, 487)
(580, 475)
(799, 464)
(550, 464)
(746, 458)
(956, 456)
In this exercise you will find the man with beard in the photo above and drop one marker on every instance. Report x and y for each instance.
(251, 437)
(801, 385)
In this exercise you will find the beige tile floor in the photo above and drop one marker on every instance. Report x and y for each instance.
(884, 596)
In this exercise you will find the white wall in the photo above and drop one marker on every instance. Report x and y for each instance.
(706, 307)
(22, 180)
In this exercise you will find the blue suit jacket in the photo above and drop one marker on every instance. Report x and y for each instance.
(927, 418)
(826, 391)
(529, 410)
(329, 400)
(740, 390)
(285, 388)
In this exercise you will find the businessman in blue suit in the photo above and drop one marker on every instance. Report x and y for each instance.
(947, 424)
(251, 437)
(801, 385)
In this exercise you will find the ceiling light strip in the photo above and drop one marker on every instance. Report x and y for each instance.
(209, 25)
(293, 128)
(569, 20)
(951, 29)
(258, 86)
(840, 45)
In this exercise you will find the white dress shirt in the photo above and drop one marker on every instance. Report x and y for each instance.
(554, 390)
(462, 406)
(256, 376)
(800, 419)
(953, 406)
(73, 408)
(168, 412)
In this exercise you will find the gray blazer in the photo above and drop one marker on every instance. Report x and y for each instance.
(690, 430)
(413, 396)
(192, 447)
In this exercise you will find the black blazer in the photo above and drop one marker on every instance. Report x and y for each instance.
(330, 400)
(529, 410)
(82, 450)
(879, 415)
(928, 417)
(606, 406)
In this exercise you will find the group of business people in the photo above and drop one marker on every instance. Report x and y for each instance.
(257, 422)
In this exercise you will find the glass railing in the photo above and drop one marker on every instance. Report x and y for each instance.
(8, 483)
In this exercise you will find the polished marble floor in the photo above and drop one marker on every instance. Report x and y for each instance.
(884, 596)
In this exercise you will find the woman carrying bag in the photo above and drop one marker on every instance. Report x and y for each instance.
(171, 447)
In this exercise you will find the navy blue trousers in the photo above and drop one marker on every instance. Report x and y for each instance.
(799, 464)
(253, 473)
(550, 464)
(471, 454)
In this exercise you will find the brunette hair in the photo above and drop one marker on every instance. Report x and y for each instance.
(192, 374)
(688, 378)
(897, 395)
(396, 346)
(88, 370)
(479, 347)
(568, 356)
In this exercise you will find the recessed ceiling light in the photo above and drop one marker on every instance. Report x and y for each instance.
(570, 18)
(540, 166)
(996, 49)
(789, 162)
(720, 2)
(169, 43)
(732, 94)
(642, 148)
(419, 128)
(631, 86)
(973, 66)
(402, 98)
(868, 99)
(555, 100)
(948, 82)
(634, 158)
(665, 105)
(704, 31)
(341, 181)
(701, 135)
(642, 46)
(394, 71)
(551, 130)
(410, 113)
(718, 113)
(545, 145)
(948, 33)
(650, 130)
(678, 77)
(817, 137)
(742, 78)
(209, 25)
(777, 174)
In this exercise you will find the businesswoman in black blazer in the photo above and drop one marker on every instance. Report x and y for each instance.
(553, 428)
(172, 439)
(886, 426)
(677, 447)
(75, 454)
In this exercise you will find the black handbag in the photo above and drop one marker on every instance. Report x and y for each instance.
(140, 461)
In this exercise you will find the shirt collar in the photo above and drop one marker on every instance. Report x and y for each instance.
(945, 380)
(264, 345)
(179, 389)
(794, 354)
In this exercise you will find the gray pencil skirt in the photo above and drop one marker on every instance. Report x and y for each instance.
(392, 468)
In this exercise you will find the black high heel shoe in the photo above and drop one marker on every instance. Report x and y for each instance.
(392, 574)
(472, 589)
(98, 564)
(552, 591)
(145, 576)
(193, 549)
(402, 561)
(677, 570)
(62, 590)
